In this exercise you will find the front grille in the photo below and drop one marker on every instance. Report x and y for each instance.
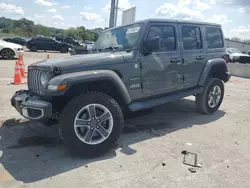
(34, 83)
(244, 59)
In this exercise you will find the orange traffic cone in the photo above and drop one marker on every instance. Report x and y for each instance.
(20, 57)
(17, 77)
(21, 66)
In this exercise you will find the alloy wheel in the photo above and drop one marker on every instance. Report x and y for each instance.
(7, 53)
(214, 96)
(93, 124)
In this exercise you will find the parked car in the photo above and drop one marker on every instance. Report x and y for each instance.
(84, 48)
(9, 50)
(45, 43)
(236, 55)
(68, 40)
(16, 40)
(131, 68)
(88, 45)
(78, 50)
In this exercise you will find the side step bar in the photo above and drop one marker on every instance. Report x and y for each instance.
(136, 106)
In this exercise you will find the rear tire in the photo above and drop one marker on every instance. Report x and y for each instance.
(75, 134)
(63, 50)
(33, 48)
(210, 100)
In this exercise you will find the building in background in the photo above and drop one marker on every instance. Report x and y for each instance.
(128, 16)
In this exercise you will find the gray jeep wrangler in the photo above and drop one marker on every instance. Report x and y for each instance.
(130, 68)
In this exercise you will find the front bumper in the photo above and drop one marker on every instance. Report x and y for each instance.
(244, 59)
(241, 59)
(31, 107)
(17, 52)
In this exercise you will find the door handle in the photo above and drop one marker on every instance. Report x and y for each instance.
(200, 57)
(175, 60)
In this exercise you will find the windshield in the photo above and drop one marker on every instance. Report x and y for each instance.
(233, 50)
(119, 38)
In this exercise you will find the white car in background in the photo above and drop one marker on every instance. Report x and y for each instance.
(9, 50)
(236, 55)
(88, 45)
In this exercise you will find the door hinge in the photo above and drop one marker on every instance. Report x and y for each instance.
(182, 60)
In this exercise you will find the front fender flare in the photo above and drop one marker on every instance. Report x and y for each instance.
(89, 76)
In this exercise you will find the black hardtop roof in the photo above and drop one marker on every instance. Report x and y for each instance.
(171, 21)
(179, 21)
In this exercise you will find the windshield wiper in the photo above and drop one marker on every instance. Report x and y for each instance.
(111, 48)
(95, 49)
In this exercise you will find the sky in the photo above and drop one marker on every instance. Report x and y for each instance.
(233, 15)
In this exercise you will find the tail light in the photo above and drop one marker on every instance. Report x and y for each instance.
(226, 58)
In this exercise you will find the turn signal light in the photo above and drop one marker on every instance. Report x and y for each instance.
(61, 87)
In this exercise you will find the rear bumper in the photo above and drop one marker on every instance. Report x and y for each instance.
(31, 107)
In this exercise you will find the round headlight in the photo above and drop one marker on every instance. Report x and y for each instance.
(44, 78)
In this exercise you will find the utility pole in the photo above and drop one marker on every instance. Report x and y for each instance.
(116, 11)
(113, 13)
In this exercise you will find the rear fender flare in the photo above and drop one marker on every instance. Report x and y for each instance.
(212, 65)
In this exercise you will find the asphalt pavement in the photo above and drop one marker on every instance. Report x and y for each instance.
(149, 153)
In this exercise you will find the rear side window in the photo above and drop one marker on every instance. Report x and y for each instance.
(214, 37)
(166, 36)
(191, 37)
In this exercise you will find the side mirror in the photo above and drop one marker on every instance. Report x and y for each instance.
(152, 44)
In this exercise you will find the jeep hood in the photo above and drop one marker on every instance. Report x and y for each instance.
(77, 63)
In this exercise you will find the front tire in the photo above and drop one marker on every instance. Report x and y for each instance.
(33, 48)
(91, 124)
(210, 100)
(63, 50)
(7, 53)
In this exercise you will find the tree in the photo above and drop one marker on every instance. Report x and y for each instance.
(71, 32)
(6, 30)
(247, 41)
(82, 33)
(27, 28)
(41, 30)
(237, 39)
